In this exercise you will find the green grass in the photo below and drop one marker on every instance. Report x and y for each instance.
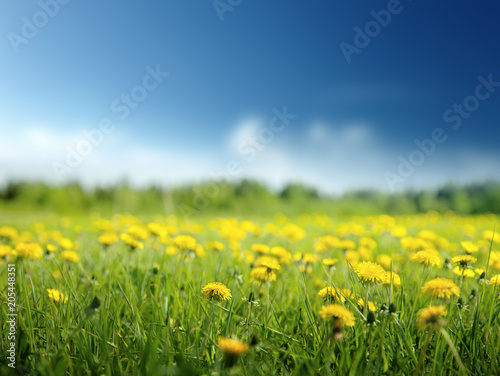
(141, 312)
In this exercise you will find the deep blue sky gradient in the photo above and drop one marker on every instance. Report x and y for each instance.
(265, 54)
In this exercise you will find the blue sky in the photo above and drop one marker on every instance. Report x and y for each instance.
(230, 67)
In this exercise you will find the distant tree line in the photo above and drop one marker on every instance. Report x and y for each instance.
(245, 198)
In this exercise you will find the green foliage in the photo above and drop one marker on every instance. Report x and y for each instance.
(245, 198)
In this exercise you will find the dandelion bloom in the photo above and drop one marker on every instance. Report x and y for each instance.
(469, 246)
(70, 256)
(108, 238)
(396, 280)
(216, 291)
(490, 235)
(57, 296)
(260, 248)
(337, 312)
(293, 232)
(215, 246)
(370, 272)
(263, 274)
(463, 260)
(282, 254)
(5, 250)
(31, 250)
(184, 242)
(440, 288)
(371, 306)
(429, 257)
(495, 280)
(131, 241)
(330, 261)
(269, 262)
(463, 272)
(431, 316)
(331, 293)
(233, 347)
(384, 260)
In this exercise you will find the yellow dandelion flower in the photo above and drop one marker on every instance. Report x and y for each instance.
(368, 242)
(399, 231)
(282, 254)
(66, 243)
(495, 280)
(309, 258)
(131, 241)
(157, 229)
(330, 293)
(184, 242)
(31, 250)
(463, 272)
(361, 304)
(330, 261)
(429, 257)
(431, 316)
(346, 244)
(216, 291)
(138, 231)
(469, 246)
(384, 260)
(5, 250)
(51, 248)
(490, 235)
(260, 248)
(263, 274)
(463, 260)
(233, 347)
(396, 279)
(108, 238)
(370, 272)
(8, 232)
(337, 312)
(57, 296)
(171, 250)
(199, 251)
(269, 262)
(214, 246)
(440, 288)
(293, 232)
(70, 256)
(352, 257)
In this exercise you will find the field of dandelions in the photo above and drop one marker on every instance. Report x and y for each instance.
(310, 295)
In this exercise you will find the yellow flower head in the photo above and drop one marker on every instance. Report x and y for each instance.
(233, 347)
(463, 260)
(490, 235)
(469, 246)
(269, 262)
(337, 312)
(263, 274)
(330, 293)
(384, 260)
(184, 242)
(495, 280)
(108, 238)
(431, 316)
(70, 256)
(8, 232)
(330, 261)
(214, 246)
(5, 250)
(31, 250)
(216, 291)
(66, 243)
(57, 296)
(440, 288)
(396, 280)
(293, 232)
(131, 241)
(260, 248)
(282, 254)
(371, 306)
(463, 272)
(370, 272)
(429, 257)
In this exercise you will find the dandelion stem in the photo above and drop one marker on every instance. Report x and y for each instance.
(424, 351)
(453, 350)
